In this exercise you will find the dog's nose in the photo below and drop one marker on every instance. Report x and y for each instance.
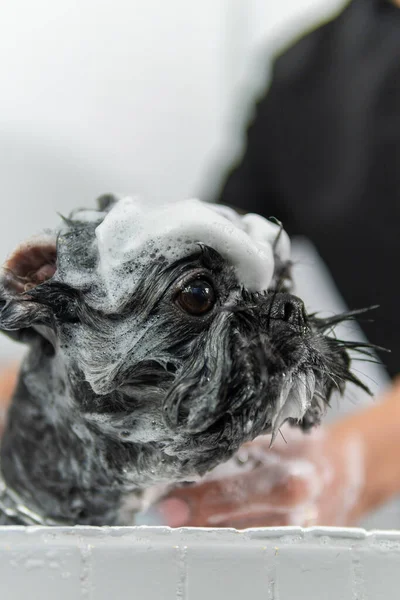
(289, 308)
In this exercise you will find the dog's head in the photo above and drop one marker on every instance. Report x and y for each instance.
(174, 329)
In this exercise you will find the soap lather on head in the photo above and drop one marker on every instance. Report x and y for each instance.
(134, 232)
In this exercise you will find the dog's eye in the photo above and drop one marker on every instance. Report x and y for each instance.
(197, 297)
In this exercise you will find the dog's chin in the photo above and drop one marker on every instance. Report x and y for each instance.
(209, 418)
(201, 444)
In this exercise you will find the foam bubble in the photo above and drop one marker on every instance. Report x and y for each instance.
(133, 231)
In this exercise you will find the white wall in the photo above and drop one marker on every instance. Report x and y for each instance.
(105, 96)
(129, 95)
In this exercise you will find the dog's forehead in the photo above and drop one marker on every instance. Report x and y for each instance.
(134, 232)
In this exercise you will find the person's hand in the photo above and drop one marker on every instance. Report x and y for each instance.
(312, 479)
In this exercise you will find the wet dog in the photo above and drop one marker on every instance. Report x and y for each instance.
(160, 340)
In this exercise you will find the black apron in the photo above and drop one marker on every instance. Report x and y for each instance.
(323, 156)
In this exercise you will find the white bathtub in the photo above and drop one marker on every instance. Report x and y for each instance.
(149, 563)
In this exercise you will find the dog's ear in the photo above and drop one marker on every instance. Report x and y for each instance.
(28, 267)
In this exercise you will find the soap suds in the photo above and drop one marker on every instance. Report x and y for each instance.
(132, 232)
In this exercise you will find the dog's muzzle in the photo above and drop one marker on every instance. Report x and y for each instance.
(243, 370)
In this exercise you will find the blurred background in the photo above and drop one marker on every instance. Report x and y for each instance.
(132, 96)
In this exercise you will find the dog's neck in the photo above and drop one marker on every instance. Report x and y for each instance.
(54, 461)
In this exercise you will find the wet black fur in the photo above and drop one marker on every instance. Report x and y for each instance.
(99, 415)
